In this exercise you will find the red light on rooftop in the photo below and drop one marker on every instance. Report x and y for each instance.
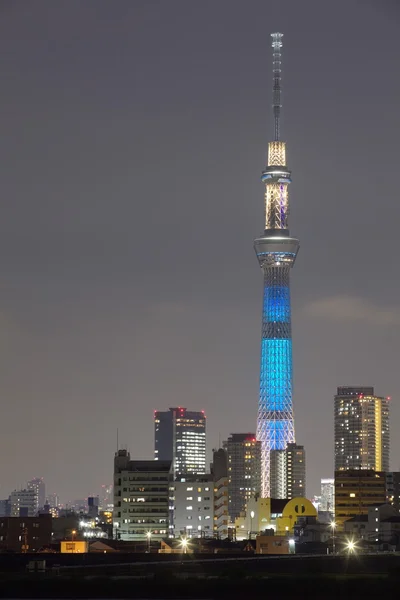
(389, 397)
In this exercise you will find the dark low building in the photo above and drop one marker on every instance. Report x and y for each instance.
(25, 534)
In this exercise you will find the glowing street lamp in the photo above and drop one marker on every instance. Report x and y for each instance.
(351, 546)
(251, 522)
(148, 535)
(73, 534)
(333, 525)
(184, 544)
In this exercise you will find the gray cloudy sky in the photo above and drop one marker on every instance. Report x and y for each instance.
(133, 134)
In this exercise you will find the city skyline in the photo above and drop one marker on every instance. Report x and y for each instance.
(132, 142)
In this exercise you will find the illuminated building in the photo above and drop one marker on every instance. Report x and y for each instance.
(141, 498)
(288, 472)
(393, 489)
(279, 514)
(355, 491)
(193, 507)
(180, 436)
(327, 501)
(361, 429)
(276, 252)
(24, 503)
(39, 487)
(244, 471)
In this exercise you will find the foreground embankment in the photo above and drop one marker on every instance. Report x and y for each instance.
(199, 577)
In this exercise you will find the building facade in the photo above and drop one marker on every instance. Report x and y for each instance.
(24, 503)
(356, 491)
(327, 499)
(244, 471)
(193, 507)
(276, 252)
(361, 429)
(141, 498)
(25, 534)
(180, 436)
(219, 469)
(281, 515)
(38, 485)
(393, 490)
(288, 472)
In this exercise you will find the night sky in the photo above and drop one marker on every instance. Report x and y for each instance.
(133, 135)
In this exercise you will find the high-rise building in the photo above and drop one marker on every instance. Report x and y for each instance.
(361, 429)
(355, 491)
(276, 252)
(288, 472)
(141, 497)
(244, 470)
(24, 503)
(327, 501)
(393, 489)
(39, 486)
(53, 500)
(180, 436)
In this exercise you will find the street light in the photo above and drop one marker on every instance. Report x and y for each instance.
(148, 535)
(333, 525)
(251, 523)
(73, 534)
(351, 546)
(184, 544)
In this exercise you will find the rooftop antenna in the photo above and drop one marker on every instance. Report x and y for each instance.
(276, 94)
(117, 440)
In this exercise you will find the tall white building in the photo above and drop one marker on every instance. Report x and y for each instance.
(288, 472)
(37, 484)
(327, 502)
(193, 507)
(24, 503)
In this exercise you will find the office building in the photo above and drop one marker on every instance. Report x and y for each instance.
(193, 507)
(39, 487)
(355, 491)
(180, 436)
(361, 429)
(24, 503)
(244, 470)
(141, 497)
(393, 489)
(327, 498)
(288, 472)
(276, 253)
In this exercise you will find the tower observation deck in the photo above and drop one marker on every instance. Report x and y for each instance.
(276, 252)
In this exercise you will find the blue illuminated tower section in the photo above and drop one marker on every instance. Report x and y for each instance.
(276, 252)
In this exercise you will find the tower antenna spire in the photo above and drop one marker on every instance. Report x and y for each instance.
(276, 94)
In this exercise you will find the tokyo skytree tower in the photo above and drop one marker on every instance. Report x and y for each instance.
(276, 252)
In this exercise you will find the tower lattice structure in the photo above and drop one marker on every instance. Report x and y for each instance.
(276, 252)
